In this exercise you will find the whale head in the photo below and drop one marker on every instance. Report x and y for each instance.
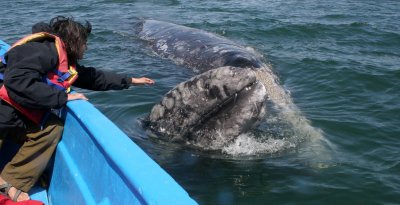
(224, 101)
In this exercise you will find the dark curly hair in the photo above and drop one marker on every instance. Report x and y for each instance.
(72, 33)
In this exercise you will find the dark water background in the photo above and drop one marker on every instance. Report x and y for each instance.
(340, 60)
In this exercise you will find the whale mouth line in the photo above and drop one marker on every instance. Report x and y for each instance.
(232, 98)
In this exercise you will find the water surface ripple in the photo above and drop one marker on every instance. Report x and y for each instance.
(340, 61)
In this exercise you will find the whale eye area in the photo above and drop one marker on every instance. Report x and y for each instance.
(240, 62)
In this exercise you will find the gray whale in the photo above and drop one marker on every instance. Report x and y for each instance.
(224, 99)
(234, 92)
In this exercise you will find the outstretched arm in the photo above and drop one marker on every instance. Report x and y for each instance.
(142, 81)
(92, 79)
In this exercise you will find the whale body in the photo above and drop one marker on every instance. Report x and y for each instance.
(235, 92)
(226, 98)
(194, 48)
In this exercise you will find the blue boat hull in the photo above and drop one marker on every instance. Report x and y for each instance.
(96, 163)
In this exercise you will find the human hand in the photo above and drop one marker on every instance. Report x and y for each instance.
(142, 81)
(76, 96)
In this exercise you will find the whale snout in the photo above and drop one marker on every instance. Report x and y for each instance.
(227, 99)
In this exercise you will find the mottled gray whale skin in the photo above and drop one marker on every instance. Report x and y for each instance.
(196, 48)
(223, 101)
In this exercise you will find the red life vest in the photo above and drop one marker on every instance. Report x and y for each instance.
(61, 77)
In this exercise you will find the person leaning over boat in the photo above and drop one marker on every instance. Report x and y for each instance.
(38, 71)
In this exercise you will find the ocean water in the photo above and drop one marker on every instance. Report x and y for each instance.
(338, 61)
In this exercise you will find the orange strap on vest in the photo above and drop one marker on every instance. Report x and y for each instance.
(64, 76)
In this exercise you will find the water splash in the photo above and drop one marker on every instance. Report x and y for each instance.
(248, 144)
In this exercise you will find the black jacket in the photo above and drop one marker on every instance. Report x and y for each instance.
(23, 78)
